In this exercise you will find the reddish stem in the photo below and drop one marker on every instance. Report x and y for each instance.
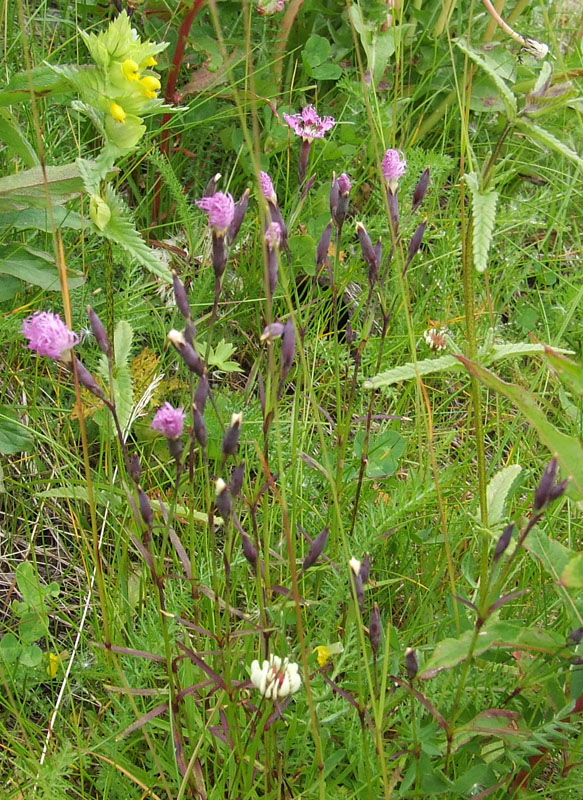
(169, 94)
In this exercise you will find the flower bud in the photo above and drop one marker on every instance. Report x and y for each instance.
(187, 352)
(368, 253)
(199, 428)
(202, 392)
(223, 499)
(87, 380)
(272, 331)
(211, 186)
(135, 468)
(334, 195)
(288, 347)
(542, 491)
(415, 242)
(503, 541)
(236, 482)
(219, 253)
(145, 507)
(249, 550)
(99, 332)
(316, 548)
(307, 186)
(420, 190)
(364, 570)
(240, 209)
(323, 247)
(231, 437)
(411, 663)
(180, 296)
(374, 628)
(393, 202)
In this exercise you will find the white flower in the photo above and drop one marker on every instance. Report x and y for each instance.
(355, 566)
(435, 338)
(275, 678)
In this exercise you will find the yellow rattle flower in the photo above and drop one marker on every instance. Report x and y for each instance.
(130, 70)
(53, 665)
(324, 651)
(151, 85)
(149, 62)
(117, 112)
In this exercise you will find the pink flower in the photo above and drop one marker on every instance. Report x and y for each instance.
(220, 208)
(308, 124)
(49, 336)
(273, 235)
(267, 187)
(270, 6)
(394, 166)
(169, 421)
(344, 184)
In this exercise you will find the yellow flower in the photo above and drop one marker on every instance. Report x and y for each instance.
(324, 651)
(151, 85)
(130, 69)
(53, 665)
(117, 112)
(149, 62)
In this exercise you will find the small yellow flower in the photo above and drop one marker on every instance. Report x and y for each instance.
(151, 85)
(149, 62)
(53, 665)
(117, 112)
(324, 651)
(130, 69)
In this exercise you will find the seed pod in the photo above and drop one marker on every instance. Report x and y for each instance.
(180, 296)
(231, 437)
(272, 331)
(87, 380)
(223, 499)
(542, 491)
(249, 550)
(374, 628)
(411, 663)
(415, 242)
(135, 468)
(99, 332)
(420, 190)
(211, 186)
(323, 247)
(199, 428)
(201, 393)
(237, 221)
(503, 541)
(364, 570)
(236, 481)
(368, 253)
(145, 507)
(316, 548)
(393, 202)
(288, 347)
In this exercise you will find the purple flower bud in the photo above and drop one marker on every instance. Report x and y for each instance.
(202, 392)
(368, 253)
(344, 184)
(393, 203)
(175, 448)
(180, 296)
(169, 421)
(236, 482)
(199, 428)
(576, 636)
(99, 332)
(145, 507)
(189, 332)
(238, 216)
(221, 209)
(187, 352)
(411, 663)
(48, 335)
(542, 491)
(323, 247)
(364, 570)
(415, 242)
(374, 628)
(219, 253)
(358, 588)
(316, 548)
(558, 489)
(272, 331)
(87, 380)
(378, 250)
(503, 541)
(211, 186)
(249, 550)
(288, 347)
(267, 187)
(231, 437)
(272, 236)
(394, 166)
(135, 468)
(420, 190)
(223, 499)
(276, 217)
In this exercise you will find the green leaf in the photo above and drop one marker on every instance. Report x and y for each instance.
(10, 648)
(507, 95)
(123, 337)
(384, 453)
(566, 448)
(40, 219)
(120, 230)
(13, 137)
(326, 72)
(40, 82)
(484, 218)
(123, 391)
(220, 356)
(498, 490)
(552, 555)
(31, 656)
(14, 436)
(29, 188)
(29, 586)
(451, 652)
(498, 722)
(572, 575)
(570, 373)
(409, 371)
(316, 51)
(34, 267)
(544, 137)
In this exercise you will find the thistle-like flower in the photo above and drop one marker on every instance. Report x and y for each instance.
(221, 209)
(308, 124)
(275, 678)
(267, 187)
(394, 166)
(169, 421)
(48, 335)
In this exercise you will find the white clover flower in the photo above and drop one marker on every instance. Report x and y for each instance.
(435, 338)
(275, 678)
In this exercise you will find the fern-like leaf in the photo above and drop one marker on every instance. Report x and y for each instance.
(484, 218)
(508, 98)
(544, 137)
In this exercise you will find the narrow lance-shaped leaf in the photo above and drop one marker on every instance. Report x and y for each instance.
(484, 218)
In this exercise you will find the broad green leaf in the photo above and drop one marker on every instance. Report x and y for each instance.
(99, 211)
(507, 95)
(34, 267)
(553, 555)
(14, 436)
(316, 51)
(544, 137)
(484, 218)
(40, 219)
(569, 372)
(384, 452)
(498, 722)
(572, 576)
(10, 648)
(566, 448)
(13, 137)
(498, 490)
(451, 652)
(40, 81)
(29, 586)
(29, 188)
(9, 287)
(326, 72)
(31, 656)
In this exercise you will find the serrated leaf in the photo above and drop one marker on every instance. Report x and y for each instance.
(484, 218)
(498, 490)
(123, 337)
(121, 231)
(123, 391)
(507, 95)
(572, 575)
(407, 372)
(542, 136)
(13, 137)
(14, 436)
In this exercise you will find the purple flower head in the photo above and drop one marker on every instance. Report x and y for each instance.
(308, 124)
(220, 208)
(394, 166)
(272, 236)
(344, 184)
(48, 335)
(267, 187)
(169, 421)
